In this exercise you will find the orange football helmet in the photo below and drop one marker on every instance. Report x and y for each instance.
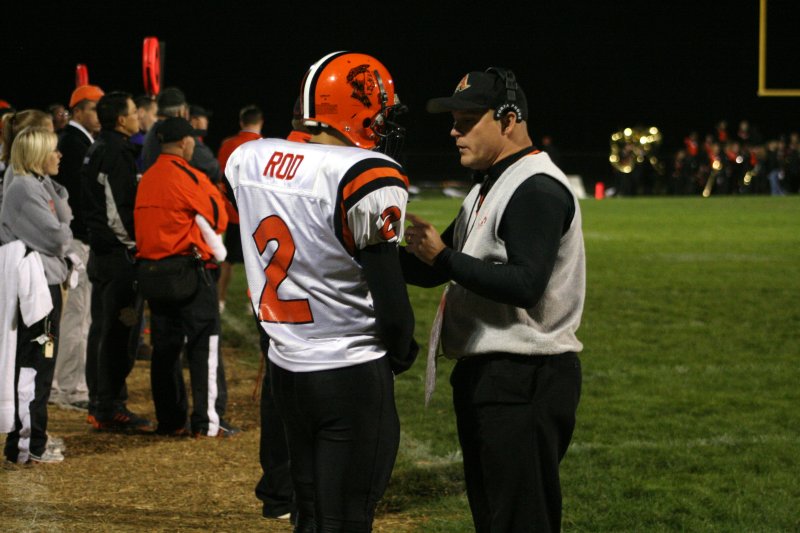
(354, 94)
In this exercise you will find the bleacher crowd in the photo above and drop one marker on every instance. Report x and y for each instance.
(722, 161)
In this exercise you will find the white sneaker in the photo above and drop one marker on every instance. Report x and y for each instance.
(50, 455)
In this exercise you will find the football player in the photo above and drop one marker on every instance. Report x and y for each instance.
(320, 224)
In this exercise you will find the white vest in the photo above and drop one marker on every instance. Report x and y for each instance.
(475, 325)
(305, 210)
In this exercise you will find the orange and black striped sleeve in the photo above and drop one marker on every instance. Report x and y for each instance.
(363, 178)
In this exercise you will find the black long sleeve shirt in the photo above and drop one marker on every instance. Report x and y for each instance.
(73, 145)
(537, 216)
(109, 183)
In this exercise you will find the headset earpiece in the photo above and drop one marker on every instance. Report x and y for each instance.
(510, 104)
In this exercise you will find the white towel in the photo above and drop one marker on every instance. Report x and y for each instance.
(433, 349)
(77, 268)
(35, 301)
(212, 239)
(23, 282)
(10, 256)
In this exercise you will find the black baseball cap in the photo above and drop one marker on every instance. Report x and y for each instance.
(478, 91)
(199, 111)
(174, 129)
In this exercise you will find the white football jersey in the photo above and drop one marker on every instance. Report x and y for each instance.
(304, 212)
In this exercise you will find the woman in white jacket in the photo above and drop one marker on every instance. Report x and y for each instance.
(34, 213)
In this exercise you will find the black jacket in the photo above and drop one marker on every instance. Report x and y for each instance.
(109, 180)
(73, 144)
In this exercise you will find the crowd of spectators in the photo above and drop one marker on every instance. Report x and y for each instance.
(743, 162)
(724, 160)
(90, 156)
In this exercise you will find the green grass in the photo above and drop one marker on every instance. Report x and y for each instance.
(690, 414)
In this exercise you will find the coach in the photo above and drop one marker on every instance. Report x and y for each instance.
(515, 261)
(171, 195)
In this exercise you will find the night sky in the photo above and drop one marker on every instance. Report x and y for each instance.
(587, 67)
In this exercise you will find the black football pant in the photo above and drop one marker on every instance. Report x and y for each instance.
(110, 350)
(195, 321)
(343, 434)
(275, 486)
(515, 417)
(33, 376)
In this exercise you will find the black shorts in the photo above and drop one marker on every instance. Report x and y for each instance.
(233, 243)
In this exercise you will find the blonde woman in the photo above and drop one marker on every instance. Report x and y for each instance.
(32, 212)
(69, 380)
(13, 123)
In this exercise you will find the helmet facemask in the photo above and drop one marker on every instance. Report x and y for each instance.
(391, 135)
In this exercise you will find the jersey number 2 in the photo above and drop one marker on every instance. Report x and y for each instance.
(271, 308)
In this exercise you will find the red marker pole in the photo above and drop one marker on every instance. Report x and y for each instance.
(81, 75)
(152, 63)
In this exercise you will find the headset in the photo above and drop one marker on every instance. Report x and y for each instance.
(510, 104)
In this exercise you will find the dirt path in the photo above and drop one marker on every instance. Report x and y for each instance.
(113, 482)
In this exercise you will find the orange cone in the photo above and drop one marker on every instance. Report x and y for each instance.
(599, 190)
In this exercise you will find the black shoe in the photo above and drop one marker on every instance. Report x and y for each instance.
(180, 432)
(281, 513)
(122, 420)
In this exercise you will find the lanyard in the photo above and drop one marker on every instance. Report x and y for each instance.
(486, 185)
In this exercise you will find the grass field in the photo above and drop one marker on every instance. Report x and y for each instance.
(689, 419)
(690, 414)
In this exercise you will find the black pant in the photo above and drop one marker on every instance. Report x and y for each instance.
(33, 376)
(275, 486)
(343, 434)
(110, 355)
(515, 417)
(197, 320)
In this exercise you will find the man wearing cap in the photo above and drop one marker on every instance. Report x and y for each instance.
(72, 387)
(170, 195)
(172, 103)
(514, 260)
(199, 118)
(203, 157)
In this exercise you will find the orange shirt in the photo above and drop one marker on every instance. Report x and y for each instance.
(225, 150)
(232, 143)
(298, 136)
(169, 196)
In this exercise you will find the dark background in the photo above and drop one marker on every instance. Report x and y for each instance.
(588, 68)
